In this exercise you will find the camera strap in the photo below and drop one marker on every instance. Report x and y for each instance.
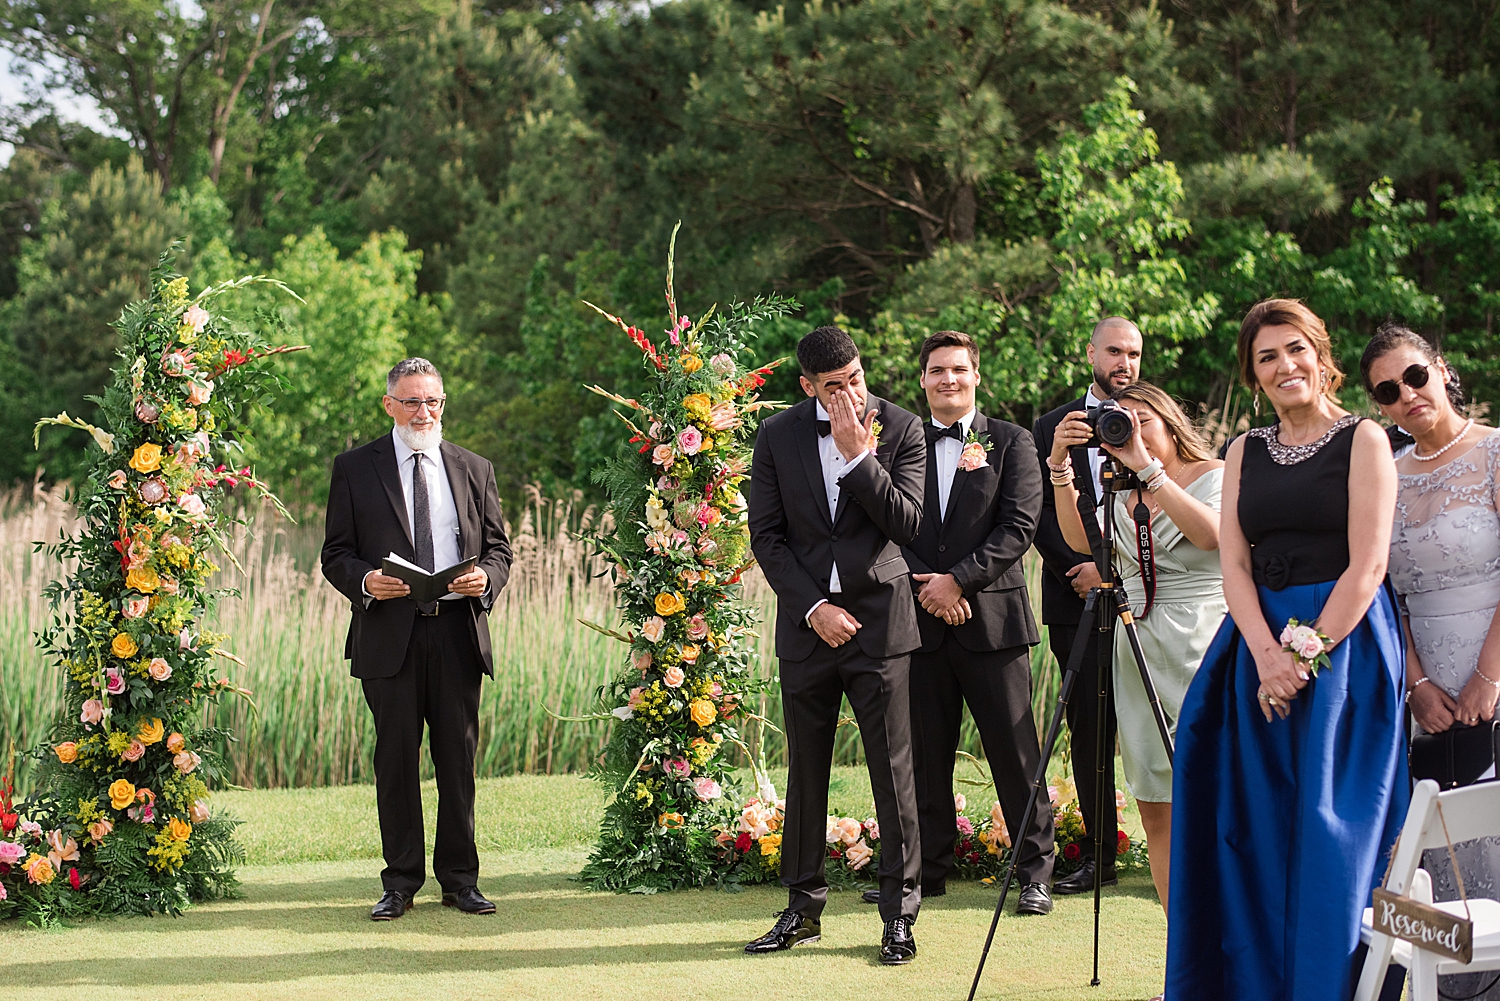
(1144, 552)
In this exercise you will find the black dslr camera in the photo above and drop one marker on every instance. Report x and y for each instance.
(1111, 423)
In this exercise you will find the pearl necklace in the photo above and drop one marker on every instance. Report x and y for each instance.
(1455, 441)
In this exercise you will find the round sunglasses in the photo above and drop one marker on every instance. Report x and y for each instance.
(1389, 392)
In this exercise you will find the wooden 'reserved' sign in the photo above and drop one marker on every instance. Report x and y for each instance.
(1423, 925)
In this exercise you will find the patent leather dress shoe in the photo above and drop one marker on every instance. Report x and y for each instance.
(1034, 899)
(897, 946)
(1082, 881)
(392, 905)
(791, 929)
(469, 901)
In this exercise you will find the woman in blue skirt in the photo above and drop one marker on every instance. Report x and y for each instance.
(1289, 784)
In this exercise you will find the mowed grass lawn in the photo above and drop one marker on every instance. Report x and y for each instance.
(302, 929)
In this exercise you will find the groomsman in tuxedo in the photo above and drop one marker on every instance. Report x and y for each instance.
(984, 495)
(434, 504)
(1114, 355)
(835, 492)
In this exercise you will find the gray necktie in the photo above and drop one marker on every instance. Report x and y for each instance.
(421, 523)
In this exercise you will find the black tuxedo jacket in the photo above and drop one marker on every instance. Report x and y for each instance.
(1060, 603)
(796, 543)
(367, 520)
(992, 518)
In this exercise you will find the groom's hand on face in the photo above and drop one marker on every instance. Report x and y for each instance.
(850, 434)
(834, 625)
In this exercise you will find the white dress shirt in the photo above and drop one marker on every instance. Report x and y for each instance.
(1096, 462)
(441, 510)
(946, 453)
(834, 469)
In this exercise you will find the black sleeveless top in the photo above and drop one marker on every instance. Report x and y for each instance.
(1294, 505)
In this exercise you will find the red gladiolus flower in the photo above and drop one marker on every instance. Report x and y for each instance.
(743, 842)
(1122, 845)
(73, 879)
(1072, 852)
(9, 821)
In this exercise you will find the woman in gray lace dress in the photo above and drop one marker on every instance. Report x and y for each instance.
(1445, 564)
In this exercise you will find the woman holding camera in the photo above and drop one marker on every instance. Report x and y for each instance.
(1445, 565)
(1290, 785)
(1176, 492)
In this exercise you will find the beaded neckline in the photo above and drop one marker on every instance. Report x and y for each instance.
(1290, 455)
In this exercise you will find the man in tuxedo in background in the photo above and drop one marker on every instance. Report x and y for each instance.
(1114, 354)
(433, 504)
(835, 492)
(979, 515)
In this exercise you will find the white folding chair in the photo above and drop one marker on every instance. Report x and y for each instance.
(1470, 812)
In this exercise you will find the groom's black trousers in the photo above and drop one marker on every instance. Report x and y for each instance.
(438, 685)
(811, 691)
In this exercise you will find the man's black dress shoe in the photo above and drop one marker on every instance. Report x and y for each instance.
(469, 901)
(897, 947)
(1082, 881)
(873, 896)
(789, 930)
(1034, 899)
(392, 905)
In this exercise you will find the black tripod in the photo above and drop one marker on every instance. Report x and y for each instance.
(1107, 592)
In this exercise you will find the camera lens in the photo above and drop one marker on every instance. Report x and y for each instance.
(1114, 428)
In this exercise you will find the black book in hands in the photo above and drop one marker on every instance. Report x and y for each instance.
(425, 586)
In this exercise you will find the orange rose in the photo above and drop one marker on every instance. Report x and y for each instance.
(691, 363)
(151, 731)
(147, 458)
(176, 742)
(121, 794)
(100, 829)
(669, 603)
(123, 646)
(142, 579)
(180, 829)
(67, 752)
(669, 821)
(703, 712)
(39, 869)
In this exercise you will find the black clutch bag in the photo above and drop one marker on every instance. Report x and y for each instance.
(1455, 757)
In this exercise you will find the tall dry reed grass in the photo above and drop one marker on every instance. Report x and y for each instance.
(308, 725)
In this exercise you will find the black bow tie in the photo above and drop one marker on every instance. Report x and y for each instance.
(954, 431)
(824, 429)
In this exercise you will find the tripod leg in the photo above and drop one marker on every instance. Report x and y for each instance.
(1103, 759)
(1157, 712)
(1039, 781)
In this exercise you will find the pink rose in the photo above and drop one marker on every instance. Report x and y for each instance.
(117, 480)
(199, 813)
(965, 825)
(715, 690)
(859, 855)
(697, 627)
(663, 455)
(872, 828)
(199, 392)
(31, 828)
(137, 554)
(722, 364)
(677, 768)
(1304, 642)
(972, 458)
(187, 453)
(674, 676)
(146, 412)
(168, 585)
(195, 317)
(11, 853)
(143, 814)
(689, 439)
(706, 788)
(847, 830)
(185, 640)
(653, 628)
(93, 712)
(134, 752)
(634, 700)
(186, 761)
(159, 669)
(134, 608)
(114, 681)
(642, 661)
(192, 504)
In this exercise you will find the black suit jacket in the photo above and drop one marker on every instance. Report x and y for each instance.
(796, 543)
(367, 520)
(1060, 603)
(992, 518)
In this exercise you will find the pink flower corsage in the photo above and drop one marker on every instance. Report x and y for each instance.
(1309, 646)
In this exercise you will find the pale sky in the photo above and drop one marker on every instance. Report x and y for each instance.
(14, 83)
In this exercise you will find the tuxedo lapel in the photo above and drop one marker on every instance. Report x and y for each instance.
(390, 478)
(806, 434)
(930, 512)
(960, 477)
(463, 496)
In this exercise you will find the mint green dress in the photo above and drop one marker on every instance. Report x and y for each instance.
(1184, 618)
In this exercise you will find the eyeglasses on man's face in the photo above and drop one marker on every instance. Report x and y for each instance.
(413, 404)
(1388, 392)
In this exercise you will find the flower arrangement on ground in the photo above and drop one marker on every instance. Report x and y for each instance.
(121, 821)
(677, 549)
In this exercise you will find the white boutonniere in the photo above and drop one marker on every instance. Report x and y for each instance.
(976, 452)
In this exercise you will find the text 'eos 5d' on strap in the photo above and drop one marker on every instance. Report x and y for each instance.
(1144, 553)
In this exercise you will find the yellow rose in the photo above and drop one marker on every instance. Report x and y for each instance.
(691, 363)
(703, 712)
(142, 579)
(697, 405)
(770, 844)
(123, 646)
(669, 603)
(67, 752)
(180, 829)
(121, 794)
(147, 458)
(151, 732)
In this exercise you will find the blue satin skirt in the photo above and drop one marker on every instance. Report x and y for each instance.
(1280, 830)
